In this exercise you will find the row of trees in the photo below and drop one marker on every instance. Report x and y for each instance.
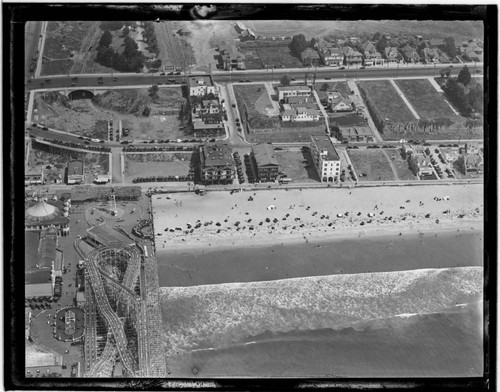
(163, 179)
(464, 94)
(130, 60)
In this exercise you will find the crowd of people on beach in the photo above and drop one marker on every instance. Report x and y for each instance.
(302, 220)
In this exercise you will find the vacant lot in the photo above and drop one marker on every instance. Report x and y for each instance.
(255, 106)
(67, 46)
(385, 101)
(427, 102)
(402, 167)
(371, 162)
(161, 164)
(347, 119)
(146, 117)
(297, 165)
(286, 134)
(268, 54)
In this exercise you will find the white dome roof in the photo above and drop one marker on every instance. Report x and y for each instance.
(41, 210)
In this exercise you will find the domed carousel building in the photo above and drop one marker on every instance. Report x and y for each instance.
(43, 214)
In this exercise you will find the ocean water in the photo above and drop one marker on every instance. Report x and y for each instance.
(381, 254)
(263, 332)
(445, 344)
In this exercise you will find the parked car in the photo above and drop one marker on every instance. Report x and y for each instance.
(162, 74)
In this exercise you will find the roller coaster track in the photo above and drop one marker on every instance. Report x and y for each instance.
(111, 317)
(90, 345)
(107, 355)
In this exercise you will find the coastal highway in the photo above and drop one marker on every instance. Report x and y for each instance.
(32, 36)
(62, 81)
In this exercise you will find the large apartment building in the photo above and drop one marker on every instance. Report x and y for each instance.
(265, 162)
(200, 86)
(326, 159)
(216, 163)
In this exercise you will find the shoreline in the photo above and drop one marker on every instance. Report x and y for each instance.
(319, 237)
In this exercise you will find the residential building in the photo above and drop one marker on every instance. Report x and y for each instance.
(370, 54)
(299, 113)
(330, 54)
(326, 159)
(391, 55)
(351, 56)
(437, 43)
(265, 162)
(431, 55)
(407, 150)
(420, 165)
(471, 164)
(310, 57)
(472, 51)
(33, 176)
(410, 54)
(216, 163)
(353, 134)
(293, 91)
(230, 59)
(75, 172)
(337, 103)
(200, 86)
(205, 107)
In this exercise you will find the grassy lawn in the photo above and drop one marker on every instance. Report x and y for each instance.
(253, 100)
(386, 101)
(346, 119)
(427, 102)
(56, 67)
(252, 59)
(285, 135)
(371, 162)
(402, 167)
(297, 165)
(147, 165)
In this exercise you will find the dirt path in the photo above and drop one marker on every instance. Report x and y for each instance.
(116, 170)
(391, 163)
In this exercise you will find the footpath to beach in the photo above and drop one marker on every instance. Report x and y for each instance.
(185, 221)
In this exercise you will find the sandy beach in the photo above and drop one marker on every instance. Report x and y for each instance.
(185, 221)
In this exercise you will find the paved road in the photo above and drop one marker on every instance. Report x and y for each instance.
(236, 76)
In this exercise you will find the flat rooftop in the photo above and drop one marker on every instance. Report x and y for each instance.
(217, 154)
(264, 155)
(324, 144)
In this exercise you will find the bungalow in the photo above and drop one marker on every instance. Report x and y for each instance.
(351, 56)
(392, 55)
(337, 103)
(420, 165)
(431, 55)
(293, 91)
(370, 54)
(410, 54)
(310, 57)
(472, 51)
(330, 55)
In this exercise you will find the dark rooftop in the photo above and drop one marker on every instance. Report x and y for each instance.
(217, 154)
(264, 155)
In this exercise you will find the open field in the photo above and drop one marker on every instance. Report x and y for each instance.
(149, 165)
(386, 101)
(297, 165)
(254, 105)
(300, 134)
(89, 117)
(347, 119)
(402, 167)
(67, 46)
(371, 162)
(427, 102)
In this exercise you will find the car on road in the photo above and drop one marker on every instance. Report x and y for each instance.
(248, 80)
(177, 73)
(361, 67)
(73, 84)
(34, 125)
(241, 81)
(341, 68)
(45, 129)
(162, 74)
(327, 78)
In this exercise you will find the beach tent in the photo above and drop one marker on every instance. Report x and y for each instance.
(271, 207)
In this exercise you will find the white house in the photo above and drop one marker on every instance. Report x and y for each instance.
(293, 91)
(337, 103)
(299, 113)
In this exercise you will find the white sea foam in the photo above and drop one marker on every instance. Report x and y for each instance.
(224, 314)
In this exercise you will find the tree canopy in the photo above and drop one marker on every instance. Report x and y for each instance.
(382, 44)
(298, 44)
(285, 80)
(106, 39)
(464, 76)
(111, 25)
(455, 91)
(450, 47)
